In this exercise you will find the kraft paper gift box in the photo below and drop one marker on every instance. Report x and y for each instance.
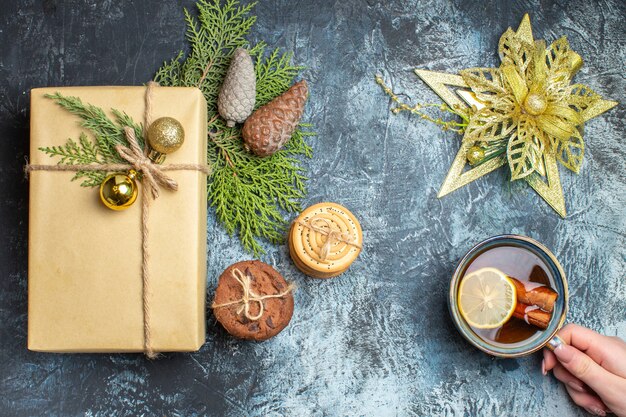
(84, 260)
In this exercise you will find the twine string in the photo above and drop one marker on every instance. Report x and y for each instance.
(152, 177)
(113, 167)
(249, 296)
(152, 174)
(325, 227)
(142, 163)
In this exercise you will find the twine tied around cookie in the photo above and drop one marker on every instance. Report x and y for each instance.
(325, 227)
(249, 296)
(152, 176)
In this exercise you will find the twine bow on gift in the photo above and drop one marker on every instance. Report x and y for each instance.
(324, 227)
(152, 176)
(152, 173)
(249, 296)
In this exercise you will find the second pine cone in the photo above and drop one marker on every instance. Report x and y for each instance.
(272, 125)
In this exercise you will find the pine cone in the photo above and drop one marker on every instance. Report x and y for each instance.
(271, 126)
(238, 93)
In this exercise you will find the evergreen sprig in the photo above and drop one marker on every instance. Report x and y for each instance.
(107, 134)
(250, 195)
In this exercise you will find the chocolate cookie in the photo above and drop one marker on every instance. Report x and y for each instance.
(253, 301)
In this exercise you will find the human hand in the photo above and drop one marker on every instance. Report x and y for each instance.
(592, 367)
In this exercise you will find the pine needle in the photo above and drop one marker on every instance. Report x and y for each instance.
(250, 195)
(107, 134)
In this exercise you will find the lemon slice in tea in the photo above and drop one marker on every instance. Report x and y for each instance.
(487, 298)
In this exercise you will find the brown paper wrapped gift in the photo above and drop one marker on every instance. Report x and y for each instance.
(84, 261)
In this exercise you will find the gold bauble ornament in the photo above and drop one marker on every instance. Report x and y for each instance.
(165, 135)
(475, 155)
(119, 191)
(535, 104)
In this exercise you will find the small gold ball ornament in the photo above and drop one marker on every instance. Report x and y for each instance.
(475, 155)
(535, 104)
(119, 191)
(165, 135)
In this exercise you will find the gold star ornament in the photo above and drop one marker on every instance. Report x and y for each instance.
(526, 114)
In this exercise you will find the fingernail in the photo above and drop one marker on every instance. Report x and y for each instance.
(564, 353)
(576, 386)
(543, 367)
(598, 411)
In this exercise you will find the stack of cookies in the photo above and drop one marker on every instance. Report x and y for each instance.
(253, 301)
(324, 240)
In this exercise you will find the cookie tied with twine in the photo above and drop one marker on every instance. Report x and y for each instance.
(324, 240)
(253, 301)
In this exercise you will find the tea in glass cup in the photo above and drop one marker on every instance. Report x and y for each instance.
(508, 296)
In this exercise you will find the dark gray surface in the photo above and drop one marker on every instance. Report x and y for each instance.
(377, 340)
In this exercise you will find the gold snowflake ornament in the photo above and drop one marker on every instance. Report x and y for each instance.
(525, 113)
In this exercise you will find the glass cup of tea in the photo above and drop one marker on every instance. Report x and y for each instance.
(508, 296)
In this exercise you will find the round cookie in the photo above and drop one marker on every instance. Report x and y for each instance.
(308, 271)
(263, 280)
(310, 232)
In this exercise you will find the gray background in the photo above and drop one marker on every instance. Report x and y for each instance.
(377, 340)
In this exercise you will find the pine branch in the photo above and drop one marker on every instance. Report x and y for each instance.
(107, 134)
(83, 152)
(250, 195)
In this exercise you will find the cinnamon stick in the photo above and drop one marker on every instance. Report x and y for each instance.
(535, 295)
(532, 315)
